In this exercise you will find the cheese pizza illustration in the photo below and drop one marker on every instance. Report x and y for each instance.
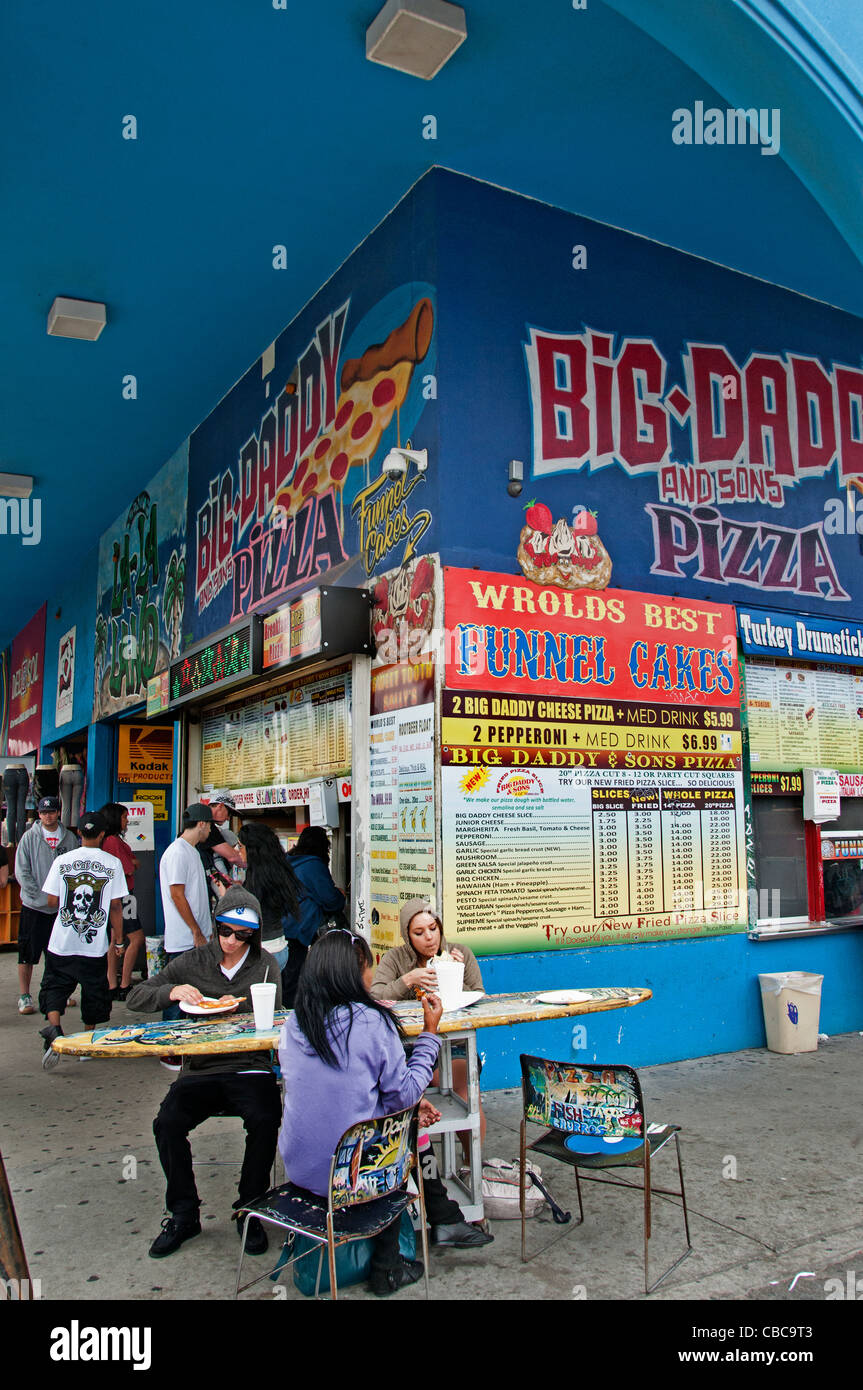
(555, 552)
(373, 389)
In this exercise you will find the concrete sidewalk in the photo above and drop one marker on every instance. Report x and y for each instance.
(772, 1157)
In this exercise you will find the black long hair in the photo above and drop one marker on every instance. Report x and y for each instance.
(269, 876)
(332, 977)
(113, 812)
(313, 840)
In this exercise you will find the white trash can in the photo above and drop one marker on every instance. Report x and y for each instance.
(791, 1004)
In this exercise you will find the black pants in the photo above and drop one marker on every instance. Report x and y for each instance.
(63, 973)
(441, 1210)
(297, 953)
(254, 1096)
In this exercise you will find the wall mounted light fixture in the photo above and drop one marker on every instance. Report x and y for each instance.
(76, 318)
(516, 478)
(15, 485)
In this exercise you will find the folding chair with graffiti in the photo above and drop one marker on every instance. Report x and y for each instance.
(594, 1119)
(368, 1190)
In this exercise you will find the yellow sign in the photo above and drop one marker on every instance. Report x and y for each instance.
(157, 799)
(508, 733)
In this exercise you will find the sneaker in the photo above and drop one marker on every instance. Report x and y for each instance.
(256, 1237)
(50, 1058)
(25, 1004)
(460, 1236)
(170, 1063)
(122, 994)
(383, 1282)
(172, 1236)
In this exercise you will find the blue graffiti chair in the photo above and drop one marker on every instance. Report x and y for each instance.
(593, 1118)
(368, 1190)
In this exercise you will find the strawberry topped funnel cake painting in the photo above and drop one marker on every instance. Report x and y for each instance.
(554, 552)
(373, 389)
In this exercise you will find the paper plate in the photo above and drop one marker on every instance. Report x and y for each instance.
(563, 996)
(206, 1013)
(465, 999)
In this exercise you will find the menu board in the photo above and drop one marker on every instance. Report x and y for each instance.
(299, 729)
(591, 767)
(804, 716)
(534, 858)
(401, 801)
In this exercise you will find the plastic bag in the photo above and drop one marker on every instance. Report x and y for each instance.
(353, 1261)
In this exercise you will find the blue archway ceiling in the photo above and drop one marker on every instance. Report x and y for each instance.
(259, 126)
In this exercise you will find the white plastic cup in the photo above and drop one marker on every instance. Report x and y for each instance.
(264, 1006)
(450, 981)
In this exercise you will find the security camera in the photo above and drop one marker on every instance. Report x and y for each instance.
(516, 477)
(395, 464)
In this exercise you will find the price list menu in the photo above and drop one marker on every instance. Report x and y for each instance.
(801, 716)
(401, 817)
(301, 730)
(533, 859)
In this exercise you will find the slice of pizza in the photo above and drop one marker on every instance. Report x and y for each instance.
(373, 388)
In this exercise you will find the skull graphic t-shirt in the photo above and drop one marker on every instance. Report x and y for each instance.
(86, 881)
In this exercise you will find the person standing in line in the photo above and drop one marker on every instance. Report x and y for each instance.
(116, 818)
(319, 900)
(85, 888)
(185, 900)
(270, 877)
(221, 842)
(37, 849)
(185, 895)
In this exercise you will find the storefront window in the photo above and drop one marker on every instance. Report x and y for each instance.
(842, 857)
(780, 857)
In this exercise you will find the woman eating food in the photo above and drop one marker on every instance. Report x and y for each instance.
(343, 1060)
(407, 972)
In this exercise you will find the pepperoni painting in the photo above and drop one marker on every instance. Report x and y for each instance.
(344, 414)
(384, 392)
(322, 448)
(339, 467)
(310, 484)
(361, 425)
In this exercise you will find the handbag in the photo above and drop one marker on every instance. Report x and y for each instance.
(353, 1261)
(500, 1182)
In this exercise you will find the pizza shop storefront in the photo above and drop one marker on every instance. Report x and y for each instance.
(267, 714)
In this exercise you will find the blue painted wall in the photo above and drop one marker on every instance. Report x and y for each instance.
(76, 604)
(504, 266)
(706, 998)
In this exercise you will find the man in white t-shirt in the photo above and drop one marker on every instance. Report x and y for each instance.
(185, 898)
(85, 888)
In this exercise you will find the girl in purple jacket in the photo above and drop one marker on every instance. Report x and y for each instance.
(343, 1060)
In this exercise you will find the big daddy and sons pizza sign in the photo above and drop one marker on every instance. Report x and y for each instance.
(285, 476)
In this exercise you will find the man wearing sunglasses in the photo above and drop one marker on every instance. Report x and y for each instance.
(237, 1083)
